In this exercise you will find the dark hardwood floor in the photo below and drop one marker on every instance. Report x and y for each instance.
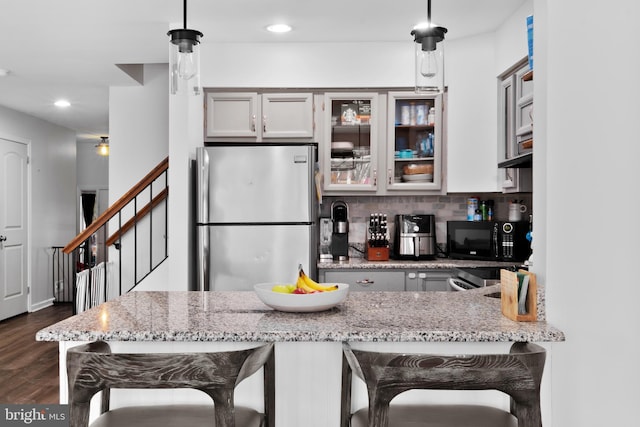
(29, 368)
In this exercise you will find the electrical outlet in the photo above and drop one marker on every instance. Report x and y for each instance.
(59, 286)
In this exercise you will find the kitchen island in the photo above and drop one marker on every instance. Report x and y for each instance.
(308, 345)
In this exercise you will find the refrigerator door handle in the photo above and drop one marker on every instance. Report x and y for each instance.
(300, 158)
(204, 254)
(202, 185)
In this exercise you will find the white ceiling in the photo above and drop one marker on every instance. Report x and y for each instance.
(69, 48)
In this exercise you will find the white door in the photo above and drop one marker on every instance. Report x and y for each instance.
(13, 228)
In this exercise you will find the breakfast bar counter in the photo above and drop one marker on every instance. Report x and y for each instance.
(241, 317)
(308, 349)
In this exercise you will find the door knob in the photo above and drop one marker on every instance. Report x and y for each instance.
(3, 238)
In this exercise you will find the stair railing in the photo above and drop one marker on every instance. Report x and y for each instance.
(62, 275)
(108, 265)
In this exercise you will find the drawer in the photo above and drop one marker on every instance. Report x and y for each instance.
(368, 280)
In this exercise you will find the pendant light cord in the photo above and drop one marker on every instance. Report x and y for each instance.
(185, 13)
(428, 13)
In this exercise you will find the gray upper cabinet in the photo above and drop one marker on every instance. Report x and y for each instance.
(232, 115)
(253, 116)
(515, 128)
(287, 115)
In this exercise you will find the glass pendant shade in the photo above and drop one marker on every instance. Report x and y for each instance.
(184, 62)
(103, 148)
(429, 59)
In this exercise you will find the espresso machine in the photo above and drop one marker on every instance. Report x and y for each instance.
(415, 237)
(340, 236)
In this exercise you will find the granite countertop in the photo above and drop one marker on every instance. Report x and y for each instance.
(241, 317)
(438, 263)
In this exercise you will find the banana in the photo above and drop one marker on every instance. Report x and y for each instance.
(301, 284)
(317, 286)
(312, 283)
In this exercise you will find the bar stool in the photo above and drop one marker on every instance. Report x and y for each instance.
(386, 375)
(93, 367)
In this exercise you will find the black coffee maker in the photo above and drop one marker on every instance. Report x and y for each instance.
(340, 236)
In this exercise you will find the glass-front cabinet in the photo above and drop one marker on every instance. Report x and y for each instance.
(351, 151)
(414, 142)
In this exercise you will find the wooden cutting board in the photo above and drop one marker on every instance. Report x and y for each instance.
(509, 296)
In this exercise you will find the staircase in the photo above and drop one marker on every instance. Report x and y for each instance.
(119, 249)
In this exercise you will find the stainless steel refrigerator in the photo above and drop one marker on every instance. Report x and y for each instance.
(256, 209)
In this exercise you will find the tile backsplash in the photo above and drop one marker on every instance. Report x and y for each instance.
(450, 207)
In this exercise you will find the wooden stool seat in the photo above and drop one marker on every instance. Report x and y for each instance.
(386, 375)
(93, 368)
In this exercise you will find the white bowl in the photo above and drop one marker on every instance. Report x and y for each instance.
(420, 177)
(301, 303)
(342, 146)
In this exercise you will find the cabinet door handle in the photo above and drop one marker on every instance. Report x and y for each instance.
(253, 123)
(3, 238)
(375, 177)
(264, 123)
(389, 176)
(365, 282)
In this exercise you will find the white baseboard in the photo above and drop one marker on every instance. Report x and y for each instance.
(40, 305)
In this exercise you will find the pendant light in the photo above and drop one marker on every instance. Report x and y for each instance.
(429, 55)
(103, 147)
(184, 59)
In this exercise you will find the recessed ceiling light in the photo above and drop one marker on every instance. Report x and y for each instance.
(279, 28)
(62, 103)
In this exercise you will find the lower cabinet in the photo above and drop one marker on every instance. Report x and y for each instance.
(389, 280)
(427, 280)
(366, 280)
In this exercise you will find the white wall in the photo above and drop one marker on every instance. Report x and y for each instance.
(472, 67)
(472, 151)
(92, 169)
(588, 159)
(307, 64)
(53, 198)
(511, 38)
(138, 129)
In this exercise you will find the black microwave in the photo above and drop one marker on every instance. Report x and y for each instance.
(489, 240)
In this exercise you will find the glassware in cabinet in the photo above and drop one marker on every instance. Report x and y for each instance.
(351, 141)
(414, 141)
